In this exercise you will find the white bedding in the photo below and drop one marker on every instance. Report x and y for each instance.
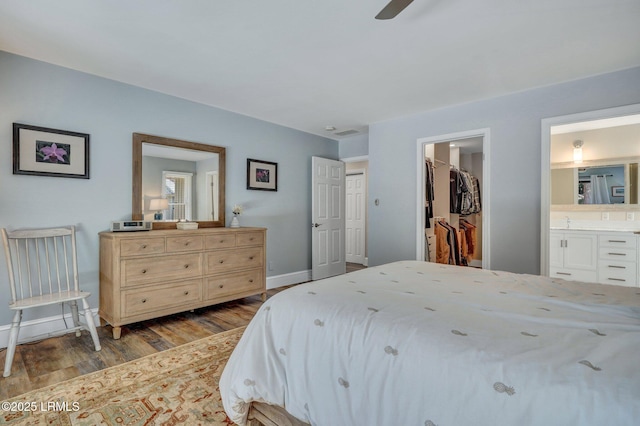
(417, 343)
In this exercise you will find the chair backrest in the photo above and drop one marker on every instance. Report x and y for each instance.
(41, 261)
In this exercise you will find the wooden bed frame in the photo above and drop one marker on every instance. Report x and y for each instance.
(261, 414)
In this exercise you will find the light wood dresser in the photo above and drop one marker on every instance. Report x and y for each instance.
(146, 275)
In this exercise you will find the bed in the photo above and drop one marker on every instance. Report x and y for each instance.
(418, 343)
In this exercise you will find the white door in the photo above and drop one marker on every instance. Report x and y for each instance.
(355, 218)
(327, 222)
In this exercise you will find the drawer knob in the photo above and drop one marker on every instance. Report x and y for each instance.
(222, 241)
(186, 266)
(221, 261)
(144, 246)
(186, 293)
(144, 300)
(144, 271)
(250, 281)
(220, 286)
(251, 239)
(250, 257)
(187, 243)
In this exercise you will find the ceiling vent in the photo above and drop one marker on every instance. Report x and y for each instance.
(346, 132)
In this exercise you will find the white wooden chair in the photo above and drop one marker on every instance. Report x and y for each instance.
(43, 270)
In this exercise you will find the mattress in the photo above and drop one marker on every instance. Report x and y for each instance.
(418, 343)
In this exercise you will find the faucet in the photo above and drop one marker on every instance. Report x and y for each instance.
(568, 222)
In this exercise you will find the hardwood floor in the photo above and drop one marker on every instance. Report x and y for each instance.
(57, 359)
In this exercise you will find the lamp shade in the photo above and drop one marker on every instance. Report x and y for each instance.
(159, 204)
(577, 151)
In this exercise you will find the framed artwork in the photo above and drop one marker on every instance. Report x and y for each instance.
(262, 175)
(42, 151)
(617, 191)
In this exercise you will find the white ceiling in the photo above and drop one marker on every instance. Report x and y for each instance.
(308, 64)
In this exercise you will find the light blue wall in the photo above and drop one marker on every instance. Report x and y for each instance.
(41, 94)
(355, 146)
(515, 126)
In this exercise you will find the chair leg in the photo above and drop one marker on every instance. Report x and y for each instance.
(13, 341)
(75, 316)
(91, 325)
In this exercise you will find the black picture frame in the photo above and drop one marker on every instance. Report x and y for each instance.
(617, 191)
(42, 151)
(262, 175)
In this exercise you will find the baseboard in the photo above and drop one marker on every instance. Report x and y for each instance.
(41, 326)
(288, 279)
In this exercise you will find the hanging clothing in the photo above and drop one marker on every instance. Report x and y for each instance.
(429, 193)
(470, 239)
(455, 191)
(464, 192)
(447, 245)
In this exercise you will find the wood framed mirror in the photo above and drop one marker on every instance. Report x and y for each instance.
(177, 180)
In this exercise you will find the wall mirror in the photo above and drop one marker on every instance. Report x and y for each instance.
(595, 164)
(177, 180)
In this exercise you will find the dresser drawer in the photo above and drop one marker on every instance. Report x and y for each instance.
(226, 260)
(185, 243)
(614, 253)
(226, 284)
(618, 273)
(161, 297)
(574, 274)
(141, 246)
(620, 241)
(249, 239)
(161, 268)
(221, 240)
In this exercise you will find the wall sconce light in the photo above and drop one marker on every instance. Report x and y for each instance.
(158, 204)
(577, 151)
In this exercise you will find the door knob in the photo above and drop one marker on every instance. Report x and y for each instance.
(315, 225)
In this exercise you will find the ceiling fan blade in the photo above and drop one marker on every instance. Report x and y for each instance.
(393, 8)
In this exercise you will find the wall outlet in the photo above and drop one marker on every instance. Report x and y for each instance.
(605, 215)
(631, 216)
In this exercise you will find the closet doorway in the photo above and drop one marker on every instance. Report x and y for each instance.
(453, 194)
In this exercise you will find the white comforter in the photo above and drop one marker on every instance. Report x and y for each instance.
(416, 343)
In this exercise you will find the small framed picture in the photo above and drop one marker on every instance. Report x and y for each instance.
(42, 151)
(262, 175)
(617, 191)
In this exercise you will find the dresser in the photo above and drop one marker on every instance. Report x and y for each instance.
(146, 275)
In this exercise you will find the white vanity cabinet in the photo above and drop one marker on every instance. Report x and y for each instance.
(573, 255)
(618, 259)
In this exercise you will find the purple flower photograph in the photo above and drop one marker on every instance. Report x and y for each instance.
(50, 152)
(43, 151)
(262, 175)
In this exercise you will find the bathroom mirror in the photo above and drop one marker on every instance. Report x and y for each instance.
(594, 164)
(177, 180)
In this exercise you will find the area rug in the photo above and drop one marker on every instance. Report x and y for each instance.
(176, 386)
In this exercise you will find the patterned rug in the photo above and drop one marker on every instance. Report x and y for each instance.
(176, 386)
